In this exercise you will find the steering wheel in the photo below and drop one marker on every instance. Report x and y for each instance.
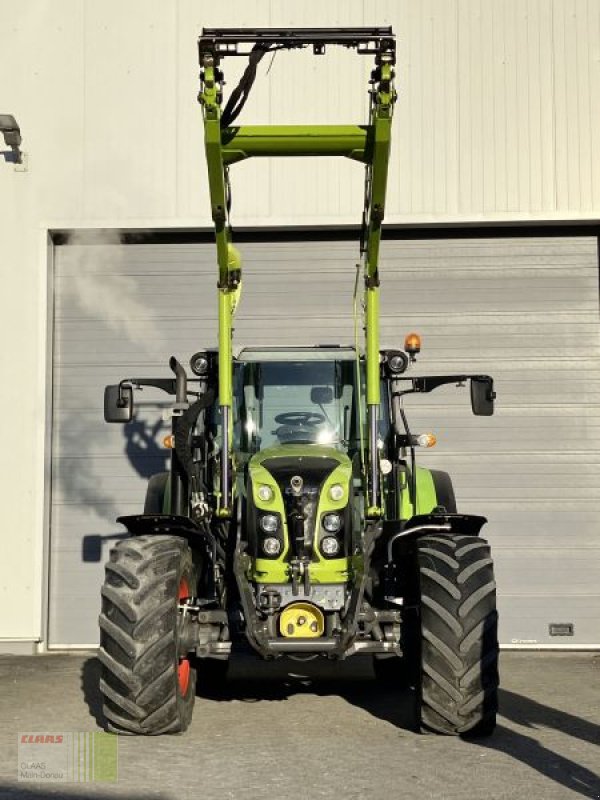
(298, 426)
(300, 419)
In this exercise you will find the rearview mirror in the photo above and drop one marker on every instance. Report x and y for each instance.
(118, 403)
(482, 396)
(321, 395)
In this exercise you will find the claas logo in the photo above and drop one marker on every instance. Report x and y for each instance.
(41, 738)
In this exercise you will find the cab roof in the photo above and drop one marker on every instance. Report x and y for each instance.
(320, 352)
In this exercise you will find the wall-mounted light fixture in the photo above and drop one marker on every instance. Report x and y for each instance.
(12, 136)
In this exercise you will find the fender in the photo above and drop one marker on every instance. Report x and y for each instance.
(424, 524)
(198, 535)
(399, 539)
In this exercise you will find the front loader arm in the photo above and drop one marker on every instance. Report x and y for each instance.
(229, 262)
(226, 144)
(383, 97)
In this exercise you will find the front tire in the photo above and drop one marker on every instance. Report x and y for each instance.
(458, 686)
(147, 684)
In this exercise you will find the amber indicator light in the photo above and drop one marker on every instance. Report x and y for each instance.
(412, 343)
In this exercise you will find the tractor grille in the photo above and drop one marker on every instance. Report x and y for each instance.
(314, 472)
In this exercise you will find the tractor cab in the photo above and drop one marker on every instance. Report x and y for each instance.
(298, 396)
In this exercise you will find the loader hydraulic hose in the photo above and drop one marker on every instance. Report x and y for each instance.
(179, 500)
(183, 430)
(237, 99)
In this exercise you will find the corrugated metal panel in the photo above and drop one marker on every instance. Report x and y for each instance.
(497, 119)
(496, 113)
(526, 310)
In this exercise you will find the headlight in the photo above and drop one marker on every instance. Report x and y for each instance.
(199, 364)
(397, 362)
(332, 523)
(336, 492)
(330, 546)
(271, 546)
(385, 465)
(265, 493)
(269, 523)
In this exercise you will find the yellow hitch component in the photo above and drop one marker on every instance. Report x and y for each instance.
(301, 621)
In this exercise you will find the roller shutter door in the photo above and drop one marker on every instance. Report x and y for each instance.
(524, 310)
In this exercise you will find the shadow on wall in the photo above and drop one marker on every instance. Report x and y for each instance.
(144, 453)
(78, 482)
(147, 458)
(81, 485)
(115, 304)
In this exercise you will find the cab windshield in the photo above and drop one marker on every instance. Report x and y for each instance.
(291, 402)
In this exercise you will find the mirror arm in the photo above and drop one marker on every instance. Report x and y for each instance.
(167, 385)
(428, 384)
(396, 407)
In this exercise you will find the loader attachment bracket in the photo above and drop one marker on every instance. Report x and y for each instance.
(240, 41)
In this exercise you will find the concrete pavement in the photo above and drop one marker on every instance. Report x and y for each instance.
(298, 730)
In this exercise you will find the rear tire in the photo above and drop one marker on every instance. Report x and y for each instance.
(148, 686)
(458, 686)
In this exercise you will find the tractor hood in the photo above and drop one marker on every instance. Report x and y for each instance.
(306, 453)
(306, 482)
(317, 466)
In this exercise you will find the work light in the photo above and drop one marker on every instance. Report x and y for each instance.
(271, 546)
(269, 523)
(332, 523)
(397, 362)
(265, 493)
(336, 492)
(330, 546)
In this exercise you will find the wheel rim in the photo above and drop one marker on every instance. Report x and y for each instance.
(183, 668)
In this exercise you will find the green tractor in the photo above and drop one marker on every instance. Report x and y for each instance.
(294, 520)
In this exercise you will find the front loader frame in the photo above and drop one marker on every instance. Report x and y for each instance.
(226, 145)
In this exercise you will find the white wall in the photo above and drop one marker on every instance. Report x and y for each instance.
(498, 118)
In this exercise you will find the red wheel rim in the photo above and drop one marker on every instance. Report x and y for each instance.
(183, 668)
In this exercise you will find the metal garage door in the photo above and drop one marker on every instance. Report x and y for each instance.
(526, 310)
